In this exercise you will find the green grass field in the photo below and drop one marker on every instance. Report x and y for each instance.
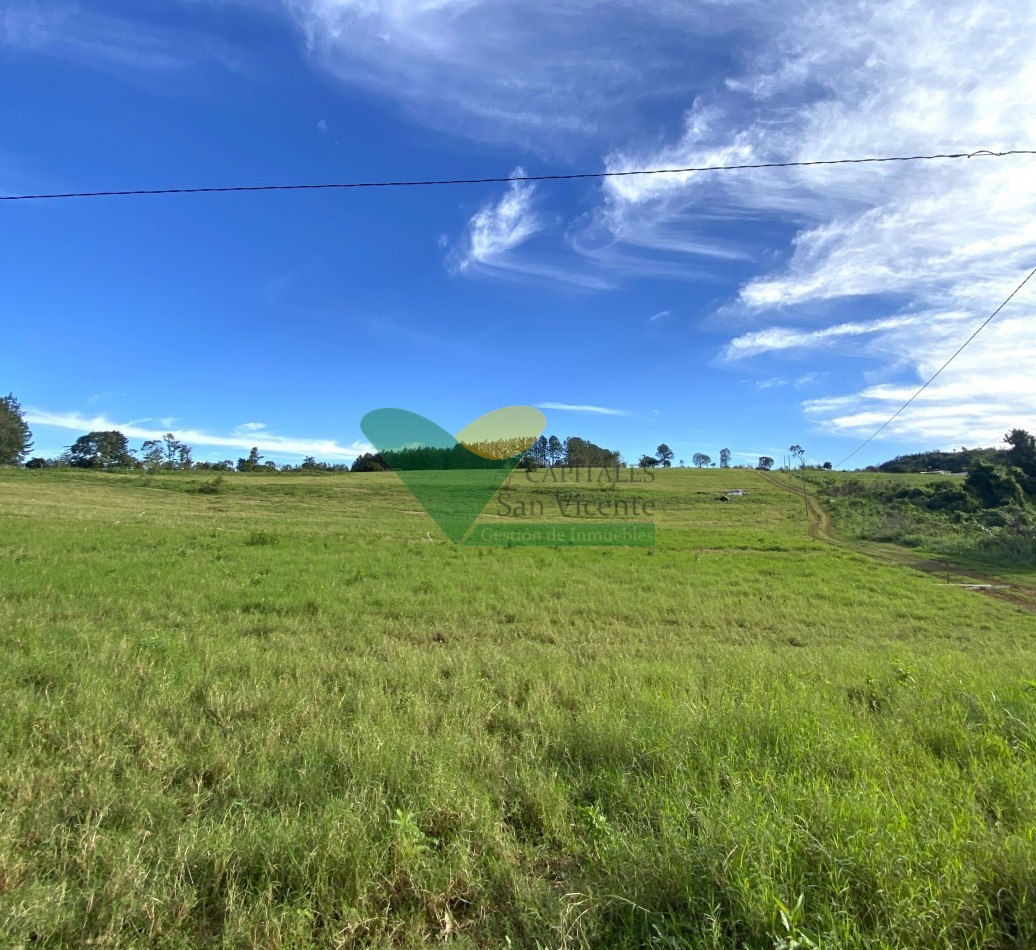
(279, 715)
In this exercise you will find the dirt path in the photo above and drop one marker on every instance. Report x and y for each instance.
(821, 528)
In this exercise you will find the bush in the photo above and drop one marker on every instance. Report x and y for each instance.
(994, 485)
(214, 487)
(950, 498)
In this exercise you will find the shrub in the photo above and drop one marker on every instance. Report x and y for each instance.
(214, 487)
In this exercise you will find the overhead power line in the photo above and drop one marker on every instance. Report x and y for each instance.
(223, 189)
(941, 368)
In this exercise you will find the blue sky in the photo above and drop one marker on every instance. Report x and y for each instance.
(747, 310)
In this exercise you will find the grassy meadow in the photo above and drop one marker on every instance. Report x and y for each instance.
(284, 711)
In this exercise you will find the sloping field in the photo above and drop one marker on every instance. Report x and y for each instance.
(287, 712)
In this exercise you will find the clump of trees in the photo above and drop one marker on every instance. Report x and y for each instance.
(956, 462)
(15, 436)
(663, 456)
(432, 458)
(994, 478)
(573, 452)
(996, 495)
(101, 450)
(370, 462)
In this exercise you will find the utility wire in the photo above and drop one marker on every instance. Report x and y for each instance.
(513, 178)
(941, 368)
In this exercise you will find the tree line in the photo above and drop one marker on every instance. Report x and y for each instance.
(110, 450)
(544, 452)
(995, 477)
(663, 458)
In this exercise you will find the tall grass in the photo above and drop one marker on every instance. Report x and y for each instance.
(278, 715)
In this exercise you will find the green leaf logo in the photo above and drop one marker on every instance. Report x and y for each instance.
(453, 477)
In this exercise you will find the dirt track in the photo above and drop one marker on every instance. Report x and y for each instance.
(821, 528)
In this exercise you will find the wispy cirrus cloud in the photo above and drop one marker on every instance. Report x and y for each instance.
(945, 242)
(495, 235)
(109, 41)
(500, 227)
(505, 70)
(593, 410)
(986, 391)
(243, 437)
(774, 339)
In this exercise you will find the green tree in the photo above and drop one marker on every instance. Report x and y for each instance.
(581, 452)
(765, 463)
(555, 451)
(648, 461)
(152, 453)
(827, 466)
(1022, 451)
(368, 462)
(993, 485)
(724, 458)
(664, 455)
(700, 459)
(177, 453)
(799, 453)
(108, 449)
(251, 463)
(15, 437)
(1022, 455)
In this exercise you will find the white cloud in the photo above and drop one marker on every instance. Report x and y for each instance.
(492, 245)
(322, 126)
(536, 72)
(779, 338)
(985, 392)
(595, 410)
(499, 227)
(68, 31)
(658, 316)
(242, 438)
(931, 248)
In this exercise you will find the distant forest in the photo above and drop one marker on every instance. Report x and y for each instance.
(957, 462)
(572, 452)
